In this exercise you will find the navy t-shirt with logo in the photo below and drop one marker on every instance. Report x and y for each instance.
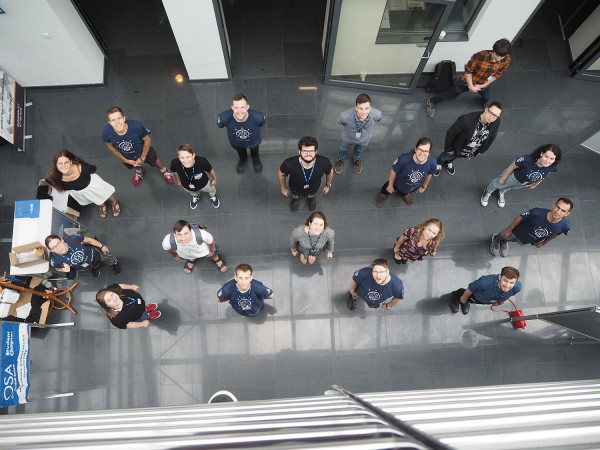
(243, 134)
(79, 256)
(409, 174)
(535, 226)
(129, 144)
(194, 178)
(245, 303)
(375, 294)
(529, 172)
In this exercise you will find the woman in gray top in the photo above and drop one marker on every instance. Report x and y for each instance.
(312, 238)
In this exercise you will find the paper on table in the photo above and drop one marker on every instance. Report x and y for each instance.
(27, 232)
(23, 311)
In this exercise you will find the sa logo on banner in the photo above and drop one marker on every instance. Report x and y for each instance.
(14, 363)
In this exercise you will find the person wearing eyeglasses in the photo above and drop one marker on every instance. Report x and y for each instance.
(375, 285)
(481, 71)
(305, 172)
(471, 135)
(76, 253)
(411, 172)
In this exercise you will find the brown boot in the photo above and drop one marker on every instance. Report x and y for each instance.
(408, 199)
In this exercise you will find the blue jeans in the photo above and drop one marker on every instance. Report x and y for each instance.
(358, 149)
(446, 158)
(459, 88)
(143, 317)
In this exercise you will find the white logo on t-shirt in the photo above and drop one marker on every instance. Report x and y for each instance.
(126, 146)
(540, 232)
(242, 134)
(534, 176)
(374, 295)
(415, 176)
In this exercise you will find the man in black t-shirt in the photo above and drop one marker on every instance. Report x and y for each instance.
(305, 172)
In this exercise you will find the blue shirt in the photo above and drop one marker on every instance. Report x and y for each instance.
(245, 303)
(529, 172)
(79, 256)
(485, 289)
(243, 134)
(129, 144)
(535, 226)
(375, 294)
(409, 174)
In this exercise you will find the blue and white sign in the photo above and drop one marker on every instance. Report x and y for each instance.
(14, 363)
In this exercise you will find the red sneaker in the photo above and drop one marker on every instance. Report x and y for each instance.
(151, 307)
(169, 177)
(137, 177)
(154, 315)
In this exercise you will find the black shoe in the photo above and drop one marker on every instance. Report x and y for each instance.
(95, 273)
(351, 302)
(256, 165)
(241, 166)
(294, 204)
(376, 307)
(312, 203)
(454, 304)
(466, 306)
(117, 268)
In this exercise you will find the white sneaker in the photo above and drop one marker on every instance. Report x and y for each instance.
(501, 201)
(485, 197)
(438, 170)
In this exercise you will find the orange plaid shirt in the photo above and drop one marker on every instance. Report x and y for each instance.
(481, 66)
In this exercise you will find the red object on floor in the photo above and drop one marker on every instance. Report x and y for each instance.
(516, 313)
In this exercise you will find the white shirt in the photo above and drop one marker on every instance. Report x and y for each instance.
(192, 250)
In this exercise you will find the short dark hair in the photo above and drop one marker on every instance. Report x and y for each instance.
(381, 262)
(423, 141)
(308, 141)
(180, 225)
(537, 153)
(238, 97)
(112, 110)
(502, 47)
(186, 148)
(510, 272)
(495, 103)
(243, 268)
(363, 98)
(50, 239)
(567, 201)
(317, 215)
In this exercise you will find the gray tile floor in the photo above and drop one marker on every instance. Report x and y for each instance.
(312, 340)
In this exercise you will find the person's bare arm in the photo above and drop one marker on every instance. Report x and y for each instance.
(391, 180)
(133, 325)
(284, 189)
(466, 295)
(508, 231)
(509, 170)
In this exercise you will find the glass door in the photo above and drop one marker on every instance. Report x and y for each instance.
(383, 44)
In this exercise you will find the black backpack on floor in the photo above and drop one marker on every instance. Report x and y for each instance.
(444, 77)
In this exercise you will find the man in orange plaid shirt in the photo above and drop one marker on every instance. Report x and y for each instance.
(483, 69)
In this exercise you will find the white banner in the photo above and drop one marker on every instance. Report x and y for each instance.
(12, 97)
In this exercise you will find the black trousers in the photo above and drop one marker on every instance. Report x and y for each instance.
(242, 152)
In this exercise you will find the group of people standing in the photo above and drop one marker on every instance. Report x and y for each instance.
(300, 176)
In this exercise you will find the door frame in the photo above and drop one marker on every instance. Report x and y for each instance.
(336, 7)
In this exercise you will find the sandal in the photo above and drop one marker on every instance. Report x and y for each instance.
(222, 267)
(189, 267)
(116, 209)
(102, 211)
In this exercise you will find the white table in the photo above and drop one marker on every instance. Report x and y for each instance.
(27, 230)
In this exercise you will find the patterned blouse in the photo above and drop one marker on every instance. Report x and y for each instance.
(411, 250)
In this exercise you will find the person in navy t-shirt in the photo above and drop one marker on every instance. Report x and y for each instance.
(243, 130)
(487, 290)
(76, 252)
(411, 172)
(538, 226)
(243, 293)
(130, 141)
(375, 285)
(525, 171)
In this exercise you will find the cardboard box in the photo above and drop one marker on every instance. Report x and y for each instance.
(25, 298)
(14, 261)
